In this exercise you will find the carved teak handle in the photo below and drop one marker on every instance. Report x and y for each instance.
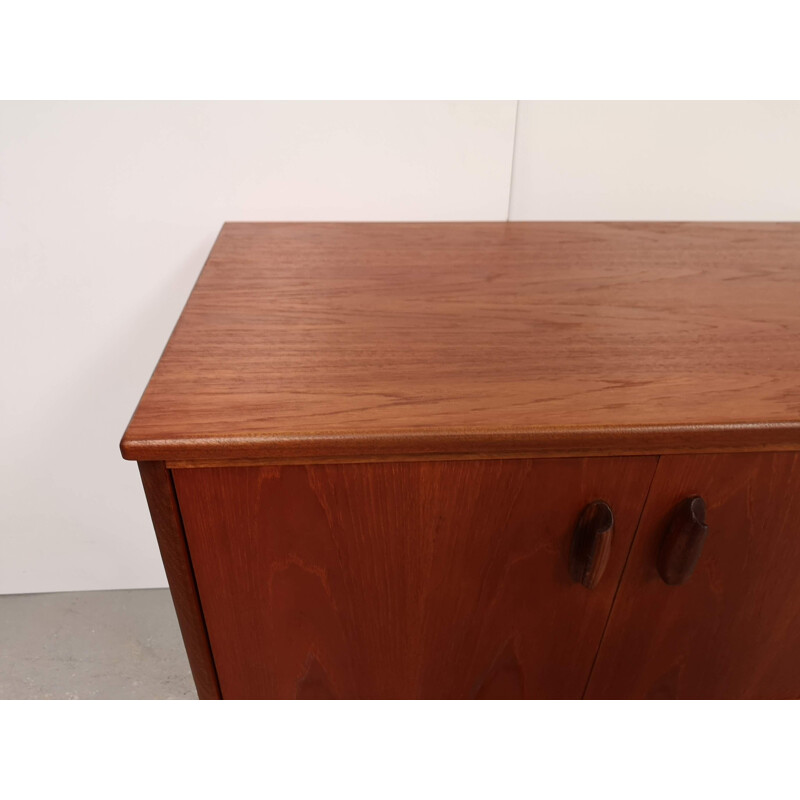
(683, 542)
(591, 544)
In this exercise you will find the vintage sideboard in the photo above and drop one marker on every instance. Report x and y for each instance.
(483, 460)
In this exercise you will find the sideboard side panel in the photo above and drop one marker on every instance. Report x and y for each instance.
(163, 504)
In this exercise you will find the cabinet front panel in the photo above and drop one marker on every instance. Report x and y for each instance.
(732, 630)
(404, 580)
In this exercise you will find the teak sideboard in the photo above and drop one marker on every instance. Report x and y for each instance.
(483, 460)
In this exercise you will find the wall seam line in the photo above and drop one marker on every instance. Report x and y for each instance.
(513, 158)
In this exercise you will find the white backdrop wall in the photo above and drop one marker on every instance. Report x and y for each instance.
(108, 210)
(734, 161)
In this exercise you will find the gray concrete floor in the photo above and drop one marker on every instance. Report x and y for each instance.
(122, 645)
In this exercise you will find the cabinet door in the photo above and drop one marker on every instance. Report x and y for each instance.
(733, 629)
(404, 580)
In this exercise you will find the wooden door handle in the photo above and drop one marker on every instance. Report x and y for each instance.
(591, 544)
(683, 542)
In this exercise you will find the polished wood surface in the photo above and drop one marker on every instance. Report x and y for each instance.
(160, 493)
(403, 580)
(733, 629)
(481, 340)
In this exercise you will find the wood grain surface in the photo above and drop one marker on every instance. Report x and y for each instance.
(733, 629)
(369, 341)
(160, 492)
(404, 580)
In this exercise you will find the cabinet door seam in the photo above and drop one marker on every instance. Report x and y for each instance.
(621, 577)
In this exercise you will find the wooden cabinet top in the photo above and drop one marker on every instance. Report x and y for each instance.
(362, 341)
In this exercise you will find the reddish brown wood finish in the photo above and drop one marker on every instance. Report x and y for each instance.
(434, 357)
(404, 580)
(318, 342)
(733, 629)
(160, 492)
